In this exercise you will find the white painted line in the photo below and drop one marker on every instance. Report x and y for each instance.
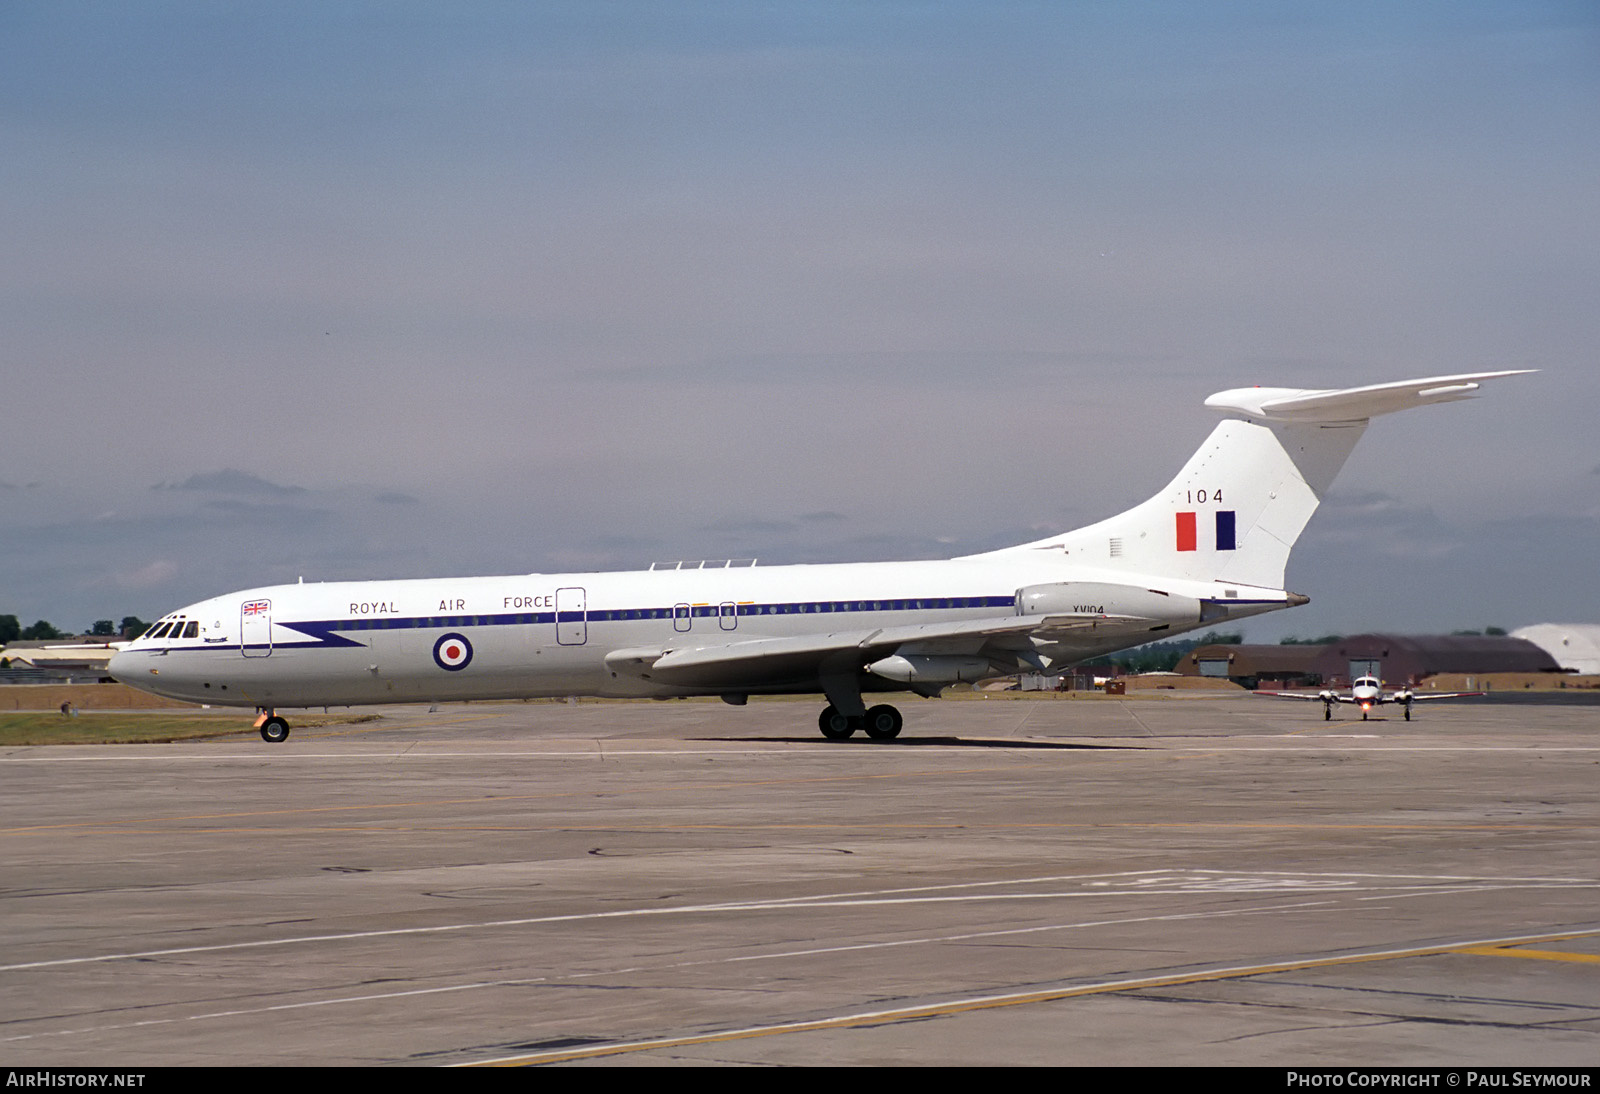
(1239, 883)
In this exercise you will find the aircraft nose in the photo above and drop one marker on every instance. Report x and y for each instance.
(119, 665)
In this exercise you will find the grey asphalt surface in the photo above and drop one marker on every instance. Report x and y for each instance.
(1096, 881)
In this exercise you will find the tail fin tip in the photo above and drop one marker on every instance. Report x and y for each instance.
(1351, 404)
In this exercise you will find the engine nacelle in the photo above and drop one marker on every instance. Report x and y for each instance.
(919, 668)
(1097, 598)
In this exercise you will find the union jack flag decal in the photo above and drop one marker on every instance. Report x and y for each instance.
(256, 607)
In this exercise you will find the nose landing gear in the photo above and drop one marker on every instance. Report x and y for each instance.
(274, 728)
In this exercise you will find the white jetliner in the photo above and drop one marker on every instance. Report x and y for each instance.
(1367, 692)
(1210, 547)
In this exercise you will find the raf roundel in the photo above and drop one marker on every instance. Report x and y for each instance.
(452, 652)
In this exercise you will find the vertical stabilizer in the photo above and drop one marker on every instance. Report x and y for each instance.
(1238, 506)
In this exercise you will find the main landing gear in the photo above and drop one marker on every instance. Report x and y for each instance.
(274, 729)
(882, 723)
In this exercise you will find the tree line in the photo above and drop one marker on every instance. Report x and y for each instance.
(12, 630)
(1161, 656)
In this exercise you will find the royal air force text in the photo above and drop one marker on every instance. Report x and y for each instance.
(511, 603)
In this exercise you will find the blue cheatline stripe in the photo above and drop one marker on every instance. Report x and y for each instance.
(1225, 541)
(322, 631)
(323, 636)
(322, 628)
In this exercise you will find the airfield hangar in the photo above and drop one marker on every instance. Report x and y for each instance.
(1576, 646)
(1254, 666)
(1394, 658)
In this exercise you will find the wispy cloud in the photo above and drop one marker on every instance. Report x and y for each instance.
(230, 481)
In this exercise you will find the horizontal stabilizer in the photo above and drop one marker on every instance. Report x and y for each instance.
(1351, 404)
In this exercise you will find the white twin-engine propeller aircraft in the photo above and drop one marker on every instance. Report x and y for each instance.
(1366, 693)
(1211, 547)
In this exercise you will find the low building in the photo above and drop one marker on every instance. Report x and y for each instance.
(34, 662)
(1287, 666)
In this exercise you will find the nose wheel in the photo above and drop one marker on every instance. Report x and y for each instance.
(274, 729)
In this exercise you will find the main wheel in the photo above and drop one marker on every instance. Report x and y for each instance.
(835, 726)
(883, 723)
(275, 730)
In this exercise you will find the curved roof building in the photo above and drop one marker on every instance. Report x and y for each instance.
(1576, 646)
(1408, 658)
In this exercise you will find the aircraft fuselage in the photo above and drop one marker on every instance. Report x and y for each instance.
(524, 636)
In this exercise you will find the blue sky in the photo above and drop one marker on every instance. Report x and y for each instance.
(390, 290)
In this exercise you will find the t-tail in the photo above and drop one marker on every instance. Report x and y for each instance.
(1238, 506)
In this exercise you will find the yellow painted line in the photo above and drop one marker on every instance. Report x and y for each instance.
(1541, 955)
(961, 1006)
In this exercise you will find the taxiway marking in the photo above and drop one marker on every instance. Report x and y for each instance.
(989, 1002)
(1540, 955)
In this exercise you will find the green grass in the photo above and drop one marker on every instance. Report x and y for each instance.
(95, 728)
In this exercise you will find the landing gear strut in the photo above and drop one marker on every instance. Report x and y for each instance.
(274, 729)
(846, 713)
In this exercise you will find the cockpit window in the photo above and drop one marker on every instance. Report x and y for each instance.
(160, 631)
(192, 630)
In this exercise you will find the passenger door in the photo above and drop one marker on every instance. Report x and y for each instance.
(572, 617)
(255, 628)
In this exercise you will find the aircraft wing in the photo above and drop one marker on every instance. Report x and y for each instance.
(1416, 697)
(1317, 695)
(774, 662)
